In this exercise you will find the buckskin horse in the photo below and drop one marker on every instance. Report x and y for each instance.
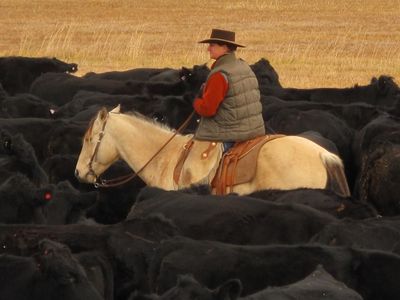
(153, 150)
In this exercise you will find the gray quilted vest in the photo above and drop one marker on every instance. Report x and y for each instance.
(239, 116)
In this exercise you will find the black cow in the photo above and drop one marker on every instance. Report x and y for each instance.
(47, 136)
(373, 274)
(194, 77)
(233, 219)
(52, 273)
(99, 271)
(61, 167)
(187, 81)
(174, 111)
(60, 88)
(356, 115)
(17, 155)
(17, 73)
(141, 74)
(293, 122)
(317, 285)
(381, 92)
(374, 233)
(114, 203)
(65, 204)
(20, 201)
(26, 105)
(265, 73)
(376, 149)
(87, 99)
(323, 200)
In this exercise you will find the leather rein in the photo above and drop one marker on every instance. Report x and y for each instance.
(105, 183)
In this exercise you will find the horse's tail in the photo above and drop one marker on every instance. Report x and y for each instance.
(336, 177)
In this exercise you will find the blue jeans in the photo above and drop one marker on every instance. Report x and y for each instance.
(227, 146)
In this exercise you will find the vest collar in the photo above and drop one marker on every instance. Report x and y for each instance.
(223, 59)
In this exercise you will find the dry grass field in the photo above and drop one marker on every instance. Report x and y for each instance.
(311, 43)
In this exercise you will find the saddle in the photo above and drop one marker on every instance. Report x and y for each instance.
(237, 166)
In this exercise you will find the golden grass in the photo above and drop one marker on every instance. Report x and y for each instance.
(310, 43)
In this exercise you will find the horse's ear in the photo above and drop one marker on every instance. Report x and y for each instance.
(102, 115)
(117, 109)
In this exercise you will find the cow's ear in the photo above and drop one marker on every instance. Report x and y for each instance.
(382, 85)
(117, 109)
(230, 290)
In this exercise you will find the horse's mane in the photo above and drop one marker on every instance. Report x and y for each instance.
(146, 119)
(90, 128)
(131, 114)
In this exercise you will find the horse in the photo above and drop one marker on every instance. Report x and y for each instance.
(152, 150)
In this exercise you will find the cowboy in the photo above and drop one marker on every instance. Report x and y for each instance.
(229, 106)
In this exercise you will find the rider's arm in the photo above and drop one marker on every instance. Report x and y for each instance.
(213, 94)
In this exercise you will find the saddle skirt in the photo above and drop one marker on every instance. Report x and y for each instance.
(238, 165)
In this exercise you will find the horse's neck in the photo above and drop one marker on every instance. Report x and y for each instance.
(137, 141)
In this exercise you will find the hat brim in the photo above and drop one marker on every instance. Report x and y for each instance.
(207, 41)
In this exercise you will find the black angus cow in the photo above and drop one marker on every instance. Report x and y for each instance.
(113, 203)
(188, 81)
(317, 138)
(154, 74)
(381, 92)
(373, 274)
(26, 105)
(47, 136)
(128, 246)
(61, 167)
(20, 201)
(174, 111)
(141, 74)
(87, 99)
(60, 88)
(17, 155)
(52, 273)
(99, 271)
(317, 285)
(17, 73)
(233, 219)
(292, 121)
(65, 204)
(322, 200)
(374, 233)
(376, 150)
(356, 115)
(265, 73)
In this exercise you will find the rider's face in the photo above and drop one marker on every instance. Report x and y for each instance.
(217, 50)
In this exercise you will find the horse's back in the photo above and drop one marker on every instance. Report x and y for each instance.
(288, 162)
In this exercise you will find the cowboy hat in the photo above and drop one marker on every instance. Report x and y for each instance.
(222, 36)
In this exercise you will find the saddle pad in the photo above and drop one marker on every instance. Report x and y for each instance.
(239, 164)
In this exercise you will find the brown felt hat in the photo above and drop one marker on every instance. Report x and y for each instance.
(222, 36)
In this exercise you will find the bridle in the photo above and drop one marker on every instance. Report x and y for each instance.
(96, 149)
(125, 178)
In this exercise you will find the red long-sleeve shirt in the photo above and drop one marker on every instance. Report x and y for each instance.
(213, 93)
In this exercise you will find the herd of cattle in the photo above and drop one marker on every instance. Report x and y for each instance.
(61, 239)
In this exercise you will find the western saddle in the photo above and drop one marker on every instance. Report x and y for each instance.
(238, 165)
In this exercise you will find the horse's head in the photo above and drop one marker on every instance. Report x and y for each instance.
(98, 151)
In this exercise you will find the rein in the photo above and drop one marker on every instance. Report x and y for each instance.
(125, 178)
